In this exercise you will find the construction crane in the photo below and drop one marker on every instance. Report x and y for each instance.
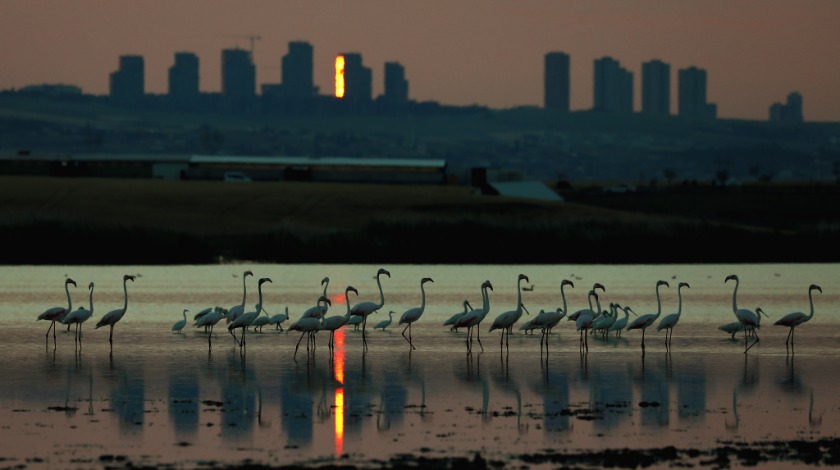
(251, 38)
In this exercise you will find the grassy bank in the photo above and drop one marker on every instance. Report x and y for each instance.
(115, 221)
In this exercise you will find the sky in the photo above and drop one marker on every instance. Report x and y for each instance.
(455, 52)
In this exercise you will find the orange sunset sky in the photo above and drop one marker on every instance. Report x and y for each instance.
(457, 52)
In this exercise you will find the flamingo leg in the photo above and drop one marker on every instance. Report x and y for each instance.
(403, 334)
(52, 327)
(298, 343)
(364, 338)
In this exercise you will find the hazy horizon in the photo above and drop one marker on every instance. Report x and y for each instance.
(755, 52)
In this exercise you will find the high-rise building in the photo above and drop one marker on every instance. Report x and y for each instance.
(128, 82)
(788, 113)
(557, 81)
(184, 79)
(239, 77)
(356, 80)
(297, 71)
(613, 86)
(396, 86)
(656, 88)
(692, 95)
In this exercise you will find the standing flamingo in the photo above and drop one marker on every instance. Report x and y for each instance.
(80, 315)
(737, 327)
(238, 309)
(644, 321)
(209, 320)
(585, 318)
(244, 321)
(413, 314)
(179, 325)
(505, 320)
(111, 318)
(278, 319)
(574, 315)
(621, 323)
(385, 323)
(308, 325)
(451, 320)
(54, 314)
(474, 317)
(364, 309)
(669, 321)
(333, 323)
(318, 310)
(792, 320)
(748, 318)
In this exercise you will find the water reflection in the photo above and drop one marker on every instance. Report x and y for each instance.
(183, 401)
(127, 390)
(553, 388)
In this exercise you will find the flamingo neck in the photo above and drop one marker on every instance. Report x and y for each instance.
(658, 302)
(125, 292)
(69, 300)
(734, 297)
(811, 301)
(563, 295)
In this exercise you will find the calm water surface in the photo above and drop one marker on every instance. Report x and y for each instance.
(164, 398)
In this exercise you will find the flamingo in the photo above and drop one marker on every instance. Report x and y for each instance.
(333, 323)
(669, 321)
(308, 325)
(644, 321)
(80, 315)
(385, 323)
(451, 320)
(209, 321)
(260, 321)
(476, 316)
(201, 314)
(606, 320)
(413, 314)
(111, 318)
(179, 325)
(585, 319)
(355, 321)
(239, 309)
(621, 323)
(364, 309)
(54, 314)
(278, 319)
(792, 320)
(505, 321)
(737, 327)
(315, 312)
(748, 318)
(551, 319)
(574, 315)
(244, 320)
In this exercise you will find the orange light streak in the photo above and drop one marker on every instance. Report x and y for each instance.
(338, 360)
(339, 421)
(339, 76)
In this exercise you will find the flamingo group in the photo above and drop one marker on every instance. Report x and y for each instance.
(591, 320)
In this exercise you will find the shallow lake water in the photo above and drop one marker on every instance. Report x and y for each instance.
(189, 400)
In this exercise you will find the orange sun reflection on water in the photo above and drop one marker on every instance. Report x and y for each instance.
(338, 362)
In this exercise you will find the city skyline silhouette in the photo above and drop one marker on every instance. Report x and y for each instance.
(464, 53)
